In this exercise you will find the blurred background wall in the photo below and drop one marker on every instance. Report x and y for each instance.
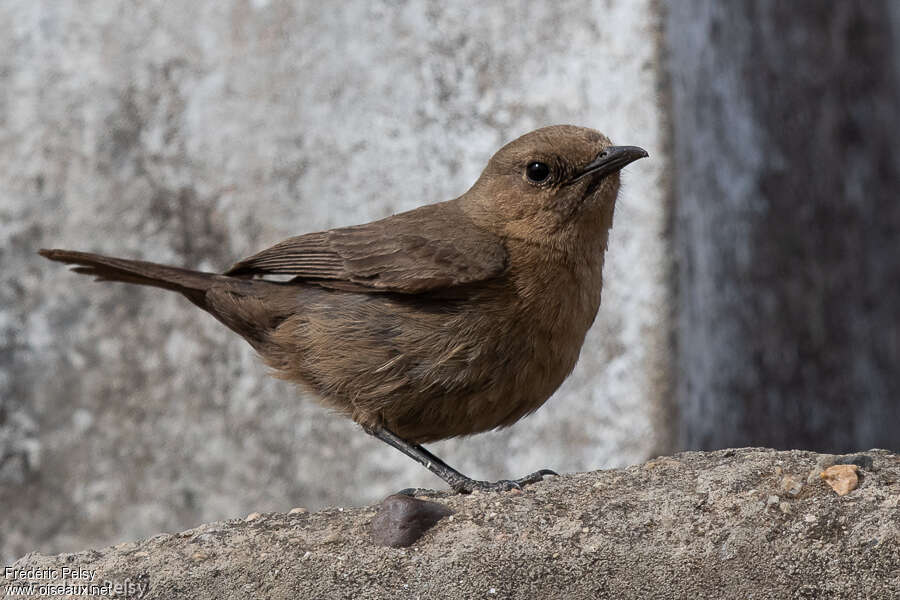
(196, 133)
(751, 292)
(786, 163)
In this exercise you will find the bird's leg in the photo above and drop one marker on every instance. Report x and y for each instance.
(456, 480)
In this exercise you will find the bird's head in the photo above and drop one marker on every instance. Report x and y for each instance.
(553, 183)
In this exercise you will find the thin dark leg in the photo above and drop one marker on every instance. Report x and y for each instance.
(456, 480)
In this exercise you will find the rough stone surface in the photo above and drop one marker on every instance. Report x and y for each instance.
(198, 132)
(693, 525)
(786, 164)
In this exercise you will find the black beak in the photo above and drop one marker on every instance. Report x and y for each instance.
(611, 160)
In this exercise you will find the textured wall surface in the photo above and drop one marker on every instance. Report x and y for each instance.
(787, 175)
(197, 133)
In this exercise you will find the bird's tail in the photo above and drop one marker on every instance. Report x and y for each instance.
(192, 284)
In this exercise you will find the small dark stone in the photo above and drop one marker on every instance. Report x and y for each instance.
(863, 461)
(401, 520)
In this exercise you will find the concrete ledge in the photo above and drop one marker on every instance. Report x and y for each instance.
(747, 523)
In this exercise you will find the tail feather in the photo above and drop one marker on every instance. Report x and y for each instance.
(192, 284)
(251, 308)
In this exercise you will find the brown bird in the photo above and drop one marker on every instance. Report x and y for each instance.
(447, 320)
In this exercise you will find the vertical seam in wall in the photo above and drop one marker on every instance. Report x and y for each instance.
(665, 413)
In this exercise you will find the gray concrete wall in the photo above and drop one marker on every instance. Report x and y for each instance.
(196, 133)
(786, 165)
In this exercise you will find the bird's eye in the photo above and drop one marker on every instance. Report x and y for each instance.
(537, 172)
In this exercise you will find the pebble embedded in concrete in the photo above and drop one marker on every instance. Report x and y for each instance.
(401, 520)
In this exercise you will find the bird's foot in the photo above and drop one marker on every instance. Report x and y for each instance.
(467, 486)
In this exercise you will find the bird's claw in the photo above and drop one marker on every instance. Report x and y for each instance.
(467, 486)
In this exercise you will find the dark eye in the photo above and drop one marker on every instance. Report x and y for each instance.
(537, 172)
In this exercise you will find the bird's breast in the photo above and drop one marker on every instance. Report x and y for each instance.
(543, 325)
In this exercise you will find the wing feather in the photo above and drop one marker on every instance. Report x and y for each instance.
(432, 247)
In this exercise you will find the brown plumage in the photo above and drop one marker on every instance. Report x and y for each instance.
(447, 320)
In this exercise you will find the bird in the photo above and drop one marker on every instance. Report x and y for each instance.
(451, 319)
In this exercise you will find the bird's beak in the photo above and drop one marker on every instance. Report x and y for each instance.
(611, 160)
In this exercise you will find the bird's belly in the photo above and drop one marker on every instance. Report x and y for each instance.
(508, 380)
(426, 376)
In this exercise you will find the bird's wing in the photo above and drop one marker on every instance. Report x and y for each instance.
(429, 248)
